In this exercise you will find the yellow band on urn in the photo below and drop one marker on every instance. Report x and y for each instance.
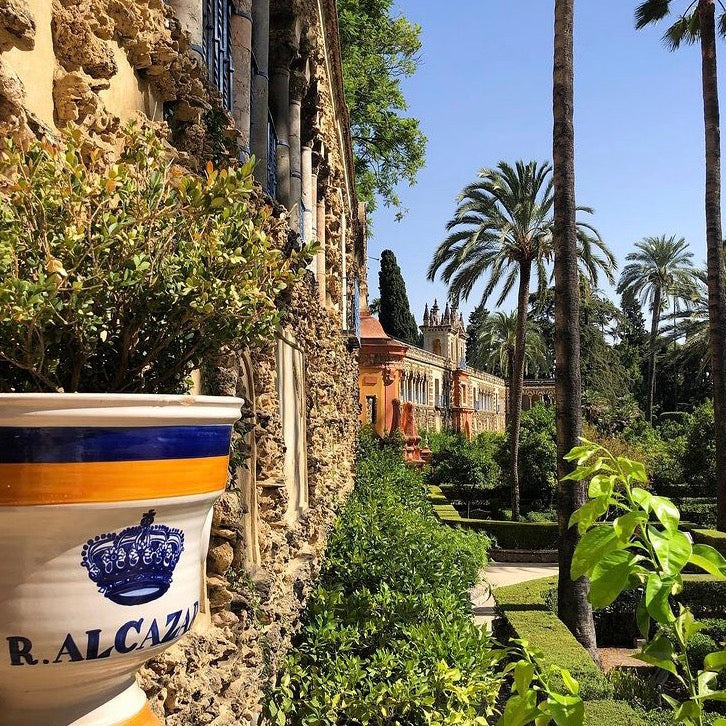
(23, 484)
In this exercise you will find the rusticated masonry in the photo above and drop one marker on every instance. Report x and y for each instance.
(98, 63)
(101, 63)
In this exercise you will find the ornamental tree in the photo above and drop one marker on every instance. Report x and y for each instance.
(395, 313)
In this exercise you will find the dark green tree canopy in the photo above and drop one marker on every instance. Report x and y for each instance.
(379, 49)
(394, 312)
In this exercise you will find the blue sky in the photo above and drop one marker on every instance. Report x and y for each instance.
(483, 93)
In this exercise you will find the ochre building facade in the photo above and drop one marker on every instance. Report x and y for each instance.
(227, 79)
(444, 391)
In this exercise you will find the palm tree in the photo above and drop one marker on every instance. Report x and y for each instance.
(698, 22)
(660, 267)
(497, 341)
(573, 606)
(501, 230)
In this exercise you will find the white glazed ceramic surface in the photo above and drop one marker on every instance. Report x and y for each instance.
(91, 589)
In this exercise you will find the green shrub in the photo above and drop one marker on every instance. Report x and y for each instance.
(513, 535)
(388, 636)
(617, 713)
(467, 466)
(546, 516)
(701, 510)
(699, 461)
(537, 455)
(123, 274)
(640, 688)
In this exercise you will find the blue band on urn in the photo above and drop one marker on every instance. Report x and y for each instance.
(51, 444)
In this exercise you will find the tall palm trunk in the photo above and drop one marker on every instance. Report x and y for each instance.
(714, 245)
(525, 271)
(573, 607)
(654, 324)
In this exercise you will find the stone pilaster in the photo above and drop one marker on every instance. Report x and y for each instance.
(320, 257)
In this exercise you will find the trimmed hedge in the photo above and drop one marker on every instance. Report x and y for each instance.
(508, 535)
(616, 625)
(705, 595)
(514, 535)
(523, 612)
(613, 713)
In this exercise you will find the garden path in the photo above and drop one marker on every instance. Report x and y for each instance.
(500, 574)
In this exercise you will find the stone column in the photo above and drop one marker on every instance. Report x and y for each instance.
(190, 14)
(280, 108)
(320, 257)
(297, 91)
(241, 27)
(261, 50)
(306, 196)
(314, 202)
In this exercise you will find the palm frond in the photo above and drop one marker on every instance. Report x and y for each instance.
(651, 11)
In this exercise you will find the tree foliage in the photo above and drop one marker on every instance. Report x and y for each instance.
(394, 311)
(379, 50)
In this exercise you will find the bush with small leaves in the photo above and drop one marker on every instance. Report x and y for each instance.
(121, 275)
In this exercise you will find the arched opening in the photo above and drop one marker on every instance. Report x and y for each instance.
(290, 371)
(437, 346)
(246, 473)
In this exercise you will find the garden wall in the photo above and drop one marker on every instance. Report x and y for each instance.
(99, 64)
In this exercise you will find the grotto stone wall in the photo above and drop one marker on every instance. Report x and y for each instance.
(98, 63)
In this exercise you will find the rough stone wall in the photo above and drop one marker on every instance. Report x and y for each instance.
(217, 674)
(86, 35)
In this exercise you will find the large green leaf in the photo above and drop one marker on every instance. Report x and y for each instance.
(708, 559)
(523, 674)
(520, 710)
(715, 661)
(593, 546)
(589, 513)
(625, 526)
(565, 710)
(659, 652)
(666, 511)
(610, 577)
(656, 599)
(673, 549)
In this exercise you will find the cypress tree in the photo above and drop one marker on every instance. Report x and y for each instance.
(395, 313)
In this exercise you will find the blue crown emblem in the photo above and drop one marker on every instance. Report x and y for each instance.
(134, 566)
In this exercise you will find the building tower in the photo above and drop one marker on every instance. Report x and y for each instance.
(444, 334)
